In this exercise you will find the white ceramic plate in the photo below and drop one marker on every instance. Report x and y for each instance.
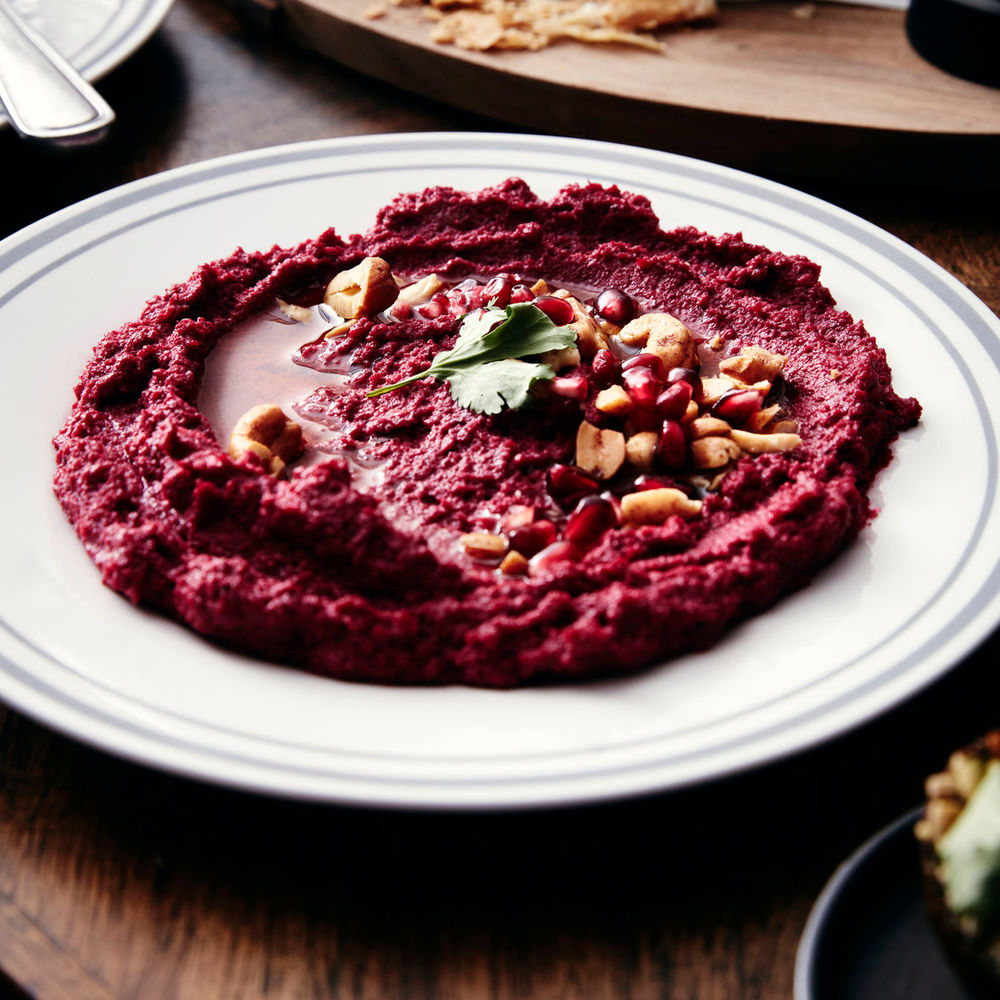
(917, 591)
(94, 35)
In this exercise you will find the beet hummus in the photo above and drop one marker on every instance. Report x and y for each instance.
(700, 444)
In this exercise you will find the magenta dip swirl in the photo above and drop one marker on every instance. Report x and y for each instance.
(634, 508)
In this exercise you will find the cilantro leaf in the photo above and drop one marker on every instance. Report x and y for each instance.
(485, 369)
(487, 387)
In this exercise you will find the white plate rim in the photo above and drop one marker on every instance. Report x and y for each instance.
(19, 687)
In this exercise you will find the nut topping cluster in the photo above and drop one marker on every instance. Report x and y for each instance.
(673, 420)
(665, 433)
(662, 436)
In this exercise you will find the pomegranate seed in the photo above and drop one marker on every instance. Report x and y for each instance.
(517, 516)
(529, 539)
(688, 375)
(604, 368)
(552, 556)
(644, 418)
(592, 517)
(672, 402)
(651, 361)
(466, 284)
(737, 406)
(614, 306)
(652, 483)
(499, 289)
(401, 310)
(521, 293)
(615, 505)
(663, 482)
(642, 386)
(458, 302)
(568, 485)
(472, 298)
(570, 386)
(671, 449)
(558, 310)
(431, 310)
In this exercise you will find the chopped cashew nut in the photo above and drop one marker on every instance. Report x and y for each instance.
(600, 453)
(759, 420)
(754, 364)
(714, 452)
(640, 450)
(338, 331)
(655, 506)
(266, 432)
(420, 291)
(514, 564)
(713, 389)
(363, 290)
(613, 400)
(483, 545)
(663, 335)
(759, 444)
(568, 357)
(708, 427)
(301, 314)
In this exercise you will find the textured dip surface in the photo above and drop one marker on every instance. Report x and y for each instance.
(364, 577)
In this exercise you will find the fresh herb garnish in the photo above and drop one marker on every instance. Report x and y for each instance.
(486, 367)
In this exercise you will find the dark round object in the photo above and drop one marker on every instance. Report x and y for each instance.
(614, 306)
(960, 36)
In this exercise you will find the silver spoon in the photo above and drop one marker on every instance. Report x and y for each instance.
(43, 95)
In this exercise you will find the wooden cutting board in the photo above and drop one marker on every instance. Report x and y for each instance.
(782, 88)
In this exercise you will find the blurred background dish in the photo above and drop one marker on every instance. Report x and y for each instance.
(868, 936)
(960, 36)
(815, 89)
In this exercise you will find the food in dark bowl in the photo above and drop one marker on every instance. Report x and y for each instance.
(959, 836)
(548, 440)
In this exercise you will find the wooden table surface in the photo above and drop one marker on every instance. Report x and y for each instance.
(119, 882)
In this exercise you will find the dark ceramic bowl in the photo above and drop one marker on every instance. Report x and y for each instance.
(960, 36)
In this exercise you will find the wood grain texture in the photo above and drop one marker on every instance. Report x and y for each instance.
(837, 93)
(119, 882)
(830, 64)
